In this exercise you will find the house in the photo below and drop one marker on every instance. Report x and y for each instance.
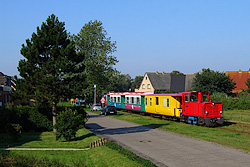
(6, 84)
(165, 82)
(240, 78)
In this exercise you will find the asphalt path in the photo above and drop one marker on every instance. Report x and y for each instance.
(166, 148)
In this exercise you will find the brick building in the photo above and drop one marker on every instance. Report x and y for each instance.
(6, 84)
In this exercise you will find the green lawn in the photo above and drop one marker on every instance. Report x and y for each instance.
(231, 134)
(101, 156)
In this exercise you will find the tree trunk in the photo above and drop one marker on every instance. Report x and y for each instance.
(54, 116)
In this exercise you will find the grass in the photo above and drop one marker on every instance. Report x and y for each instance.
(47, 140)
(96, 157)
(100, 156)
(231, 134)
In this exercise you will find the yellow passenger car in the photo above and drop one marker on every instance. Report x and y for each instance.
(164, 104)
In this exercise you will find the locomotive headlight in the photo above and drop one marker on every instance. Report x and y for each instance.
(206, 113)
(221, 112)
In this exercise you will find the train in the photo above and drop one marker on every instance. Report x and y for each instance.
(191, 107)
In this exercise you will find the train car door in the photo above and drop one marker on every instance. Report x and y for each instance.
(185, 103)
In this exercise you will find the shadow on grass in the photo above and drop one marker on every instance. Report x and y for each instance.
(83, 137)
(6, 141)
(228, 123)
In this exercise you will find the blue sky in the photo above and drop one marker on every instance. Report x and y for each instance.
(159, 35)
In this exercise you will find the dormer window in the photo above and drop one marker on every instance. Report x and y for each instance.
(143, 86)
(148, 86)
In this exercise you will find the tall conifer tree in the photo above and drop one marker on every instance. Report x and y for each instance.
(50, 60)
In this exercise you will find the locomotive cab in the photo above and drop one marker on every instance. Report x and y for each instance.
(197, 109)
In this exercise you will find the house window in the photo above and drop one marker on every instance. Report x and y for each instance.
(143, 86)
(150, 101)
(148, 86)
(157, 101)
(146, 78)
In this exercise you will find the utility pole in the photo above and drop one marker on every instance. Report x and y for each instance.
(95, 94)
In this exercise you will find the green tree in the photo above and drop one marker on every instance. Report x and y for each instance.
(50, 64)
(120, 83)
(248, 84)
(136, 83)
(212, 81)
(68, 123)
(98, 49)
(175, 72)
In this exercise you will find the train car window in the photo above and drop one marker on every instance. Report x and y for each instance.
(164, 102)
(111, 99)
(194, 97)
(132, 100)
(187, 98)
(115, 99)
(157, 101)
(146, 101)
(127, 99)
(168, 102)
(119, 99)
(138, 100)
(150, 101)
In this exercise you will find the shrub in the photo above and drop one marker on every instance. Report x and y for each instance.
(15, 131)
(244, 101)
(240, 102)
(68, 123)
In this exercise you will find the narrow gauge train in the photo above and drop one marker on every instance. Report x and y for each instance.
(191, 107)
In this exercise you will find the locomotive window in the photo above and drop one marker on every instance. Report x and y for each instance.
(150, 101)
(194, 97)
(138, 100)
(164, 102)
(157, 101)
(146, 101)
(187, 98)
(168, 102)
(204, 97)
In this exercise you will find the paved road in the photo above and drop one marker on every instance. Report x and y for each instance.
(167, 148)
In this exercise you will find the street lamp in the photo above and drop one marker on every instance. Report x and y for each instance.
(95, 94)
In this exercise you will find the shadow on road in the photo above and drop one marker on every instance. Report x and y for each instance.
(124, 130)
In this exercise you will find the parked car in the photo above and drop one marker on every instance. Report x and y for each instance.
(96, 107)
(109, 110)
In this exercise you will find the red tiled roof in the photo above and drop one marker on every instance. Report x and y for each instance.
(240, 78)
